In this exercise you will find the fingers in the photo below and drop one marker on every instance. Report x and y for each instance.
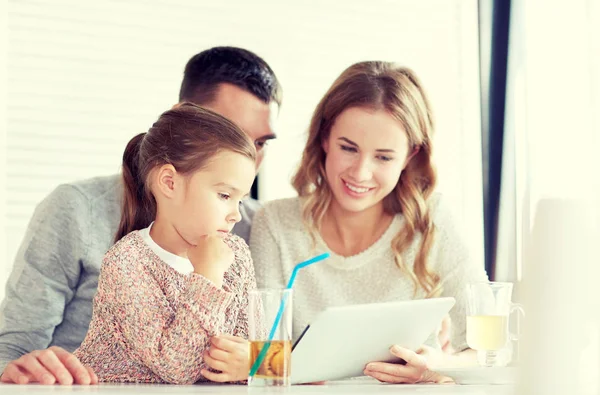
(448, 349)
(48, 367)
(15, 375)
(214, 363)
(216, 377)
(227, 344)
(444, 334)
(387, 378)
(79, 373)
(446, 324)
(229, 352)
(412, 358)
(235, 339)
(37, 372)
(92, 375)
(403, 374)
(51, 362)
(218, 354)
(229, 355)
(412, 372)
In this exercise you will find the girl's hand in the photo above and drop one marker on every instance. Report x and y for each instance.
(211, 258)
(416, 369)
(229, 355)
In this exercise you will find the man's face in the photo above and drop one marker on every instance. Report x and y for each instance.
(247, 111)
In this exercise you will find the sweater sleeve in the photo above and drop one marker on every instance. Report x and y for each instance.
(456, 269)
(45, 273)
(169, 340)
(242, 255)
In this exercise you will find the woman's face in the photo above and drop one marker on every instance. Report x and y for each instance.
(365, 153)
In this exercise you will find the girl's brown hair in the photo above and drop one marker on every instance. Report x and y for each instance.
(397, 90)
(187, 137)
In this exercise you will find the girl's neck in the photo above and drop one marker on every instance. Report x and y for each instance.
(349, 233)
(168, 238)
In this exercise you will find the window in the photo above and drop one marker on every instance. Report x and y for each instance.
(84, 77)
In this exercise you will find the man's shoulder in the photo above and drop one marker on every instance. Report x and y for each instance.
(90, 189)
(250, 207)
(98, 198)
(99, 187)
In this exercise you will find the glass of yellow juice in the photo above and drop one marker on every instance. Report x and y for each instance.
(274, 353)
(489, 308)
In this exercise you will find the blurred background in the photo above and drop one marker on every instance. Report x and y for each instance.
(515, 86)
(84, 77)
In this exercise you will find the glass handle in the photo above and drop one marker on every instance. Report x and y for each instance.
(514, 337)
(516, 307)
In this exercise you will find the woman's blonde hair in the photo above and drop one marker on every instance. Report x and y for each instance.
(397, 90)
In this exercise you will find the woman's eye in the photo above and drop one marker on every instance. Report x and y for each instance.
(224, 196)
(348, 148)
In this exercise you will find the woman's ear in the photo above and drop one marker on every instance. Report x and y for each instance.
(414, 152)
(325, 145)
(165, 180)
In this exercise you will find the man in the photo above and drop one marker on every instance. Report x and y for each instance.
(49, 294)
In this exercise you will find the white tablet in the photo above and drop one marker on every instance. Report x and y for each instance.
(342, 340)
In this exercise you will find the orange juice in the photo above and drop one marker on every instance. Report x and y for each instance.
(276, 364)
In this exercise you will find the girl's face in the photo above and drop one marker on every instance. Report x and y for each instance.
(365, 154)
(208, 201)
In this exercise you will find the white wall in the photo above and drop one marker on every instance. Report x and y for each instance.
(84, 77)
(3, 63)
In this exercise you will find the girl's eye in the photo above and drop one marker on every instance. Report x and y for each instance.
(261, 144)
(224, 196)
(384, 158)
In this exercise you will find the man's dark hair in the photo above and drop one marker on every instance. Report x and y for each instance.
(205, 71)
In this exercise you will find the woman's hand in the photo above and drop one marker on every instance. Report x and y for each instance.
(416, 370)
(444, 335)
(229, 355)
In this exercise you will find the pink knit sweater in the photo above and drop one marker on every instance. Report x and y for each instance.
(152, 324)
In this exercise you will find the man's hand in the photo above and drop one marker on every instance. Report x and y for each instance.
(49, 366)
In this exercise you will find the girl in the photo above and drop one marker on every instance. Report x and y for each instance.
(366, 192)
(172, 294)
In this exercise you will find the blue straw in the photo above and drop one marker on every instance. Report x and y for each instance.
(263, 351)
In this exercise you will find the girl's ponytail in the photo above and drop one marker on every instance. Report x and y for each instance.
(138, 208)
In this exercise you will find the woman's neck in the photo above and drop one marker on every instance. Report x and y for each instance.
(349, 233)
(166, 236)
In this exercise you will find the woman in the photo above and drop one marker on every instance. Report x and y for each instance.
(366, 193)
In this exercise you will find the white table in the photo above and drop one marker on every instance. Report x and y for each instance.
(335, 387)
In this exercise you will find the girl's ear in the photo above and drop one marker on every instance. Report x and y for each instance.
(165, 180)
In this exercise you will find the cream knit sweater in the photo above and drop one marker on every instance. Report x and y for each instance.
(279, 240)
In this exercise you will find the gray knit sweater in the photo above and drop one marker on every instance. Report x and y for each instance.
(55, 275)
